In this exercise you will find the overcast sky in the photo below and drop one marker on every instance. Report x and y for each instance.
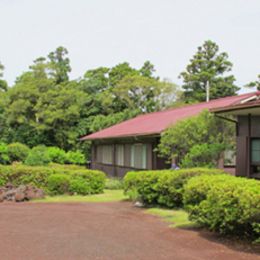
(107, 32)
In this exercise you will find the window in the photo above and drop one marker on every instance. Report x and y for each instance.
(105, 154)
(255, 151)
(138, 156)
(120, 155)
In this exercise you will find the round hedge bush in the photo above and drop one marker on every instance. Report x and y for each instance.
(18, 152)
(58, 184)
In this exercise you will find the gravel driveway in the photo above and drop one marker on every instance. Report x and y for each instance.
(102, 231)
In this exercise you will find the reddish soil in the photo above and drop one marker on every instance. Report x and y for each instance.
(103, 231)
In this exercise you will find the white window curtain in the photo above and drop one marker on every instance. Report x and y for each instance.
(138, 156)
(120, 155)
(107, 154)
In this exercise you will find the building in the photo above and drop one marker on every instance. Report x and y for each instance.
(247, 119)
(130, 145)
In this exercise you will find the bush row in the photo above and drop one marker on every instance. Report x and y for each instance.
(39, 155)
(163, 187)
(220, 202)
(55, 179)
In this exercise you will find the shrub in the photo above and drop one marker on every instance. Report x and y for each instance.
(226, 204)
(80, 186)
(56, 155)
(18, 152)
(171, 184)
(58, 184)
(95, 180)
(4, 157)
(114, 184)
(163, 187)
(38, 156)
(75, 158)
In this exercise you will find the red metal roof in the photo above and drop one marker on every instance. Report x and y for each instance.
(156, 122)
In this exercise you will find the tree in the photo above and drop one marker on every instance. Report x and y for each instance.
(208, 66)
(60, 64)
(204, 130)
(255, 84)
(146, 94)
(3, 83)
(147, 69)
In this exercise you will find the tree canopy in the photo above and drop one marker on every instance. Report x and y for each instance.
(194, 137)
(45, 106)
(208, 66)
(255, 83)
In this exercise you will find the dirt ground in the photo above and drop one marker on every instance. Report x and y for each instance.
(103, 231)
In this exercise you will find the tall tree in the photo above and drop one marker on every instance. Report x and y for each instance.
(147, 69)
(60, 64)
(208, 67)
(255, 84)
(146, 94)
(3, 83)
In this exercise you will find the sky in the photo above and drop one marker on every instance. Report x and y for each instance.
(107, 32)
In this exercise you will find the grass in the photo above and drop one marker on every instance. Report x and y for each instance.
(177, 218)
(107, 196)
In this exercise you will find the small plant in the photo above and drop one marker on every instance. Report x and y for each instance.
(80, 186)
(18, 152)
(114, 184)
(58, 184)
(38, 156)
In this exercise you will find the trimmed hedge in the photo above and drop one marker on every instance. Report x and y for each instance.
(163, 187)
(40, 177)
(226, 204)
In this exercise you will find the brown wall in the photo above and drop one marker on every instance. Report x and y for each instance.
(153, 161)
(248, 128)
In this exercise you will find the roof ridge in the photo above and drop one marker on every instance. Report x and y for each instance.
(196, 104)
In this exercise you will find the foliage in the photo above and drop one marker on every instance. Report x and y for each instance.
(95, 180)
(203, 155)
(38, 156)
(4, 157)
(58, 184)
(45, 107)
(39, 176)
(18, 152)
(80, 186)
(148, 94)
(255, 84)
(226, 204)
(211, 133)
(56, 155)
(163, 187)
(75, 158)
(208, 65)
(114, 184)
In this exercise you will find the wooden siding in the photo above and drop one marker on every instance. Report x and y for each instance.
(248, 128)
(152, 159)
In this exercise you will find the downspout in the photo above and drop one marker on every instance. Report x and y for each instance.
(249, 146)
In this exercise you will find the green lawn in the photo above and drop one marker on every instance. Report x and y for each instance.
(107, 196)
(177, 218)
